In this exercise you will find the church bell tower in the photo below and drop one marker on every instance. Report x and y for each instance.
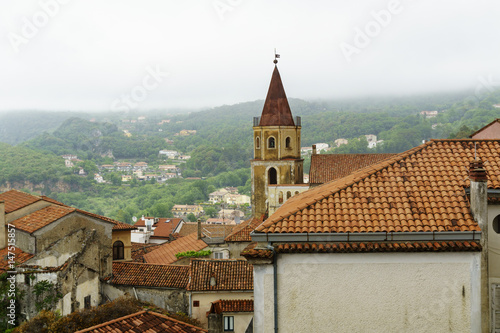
(276, 139)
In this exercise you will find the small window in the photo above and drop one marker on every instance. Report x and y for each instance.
(257, 142)
(218, 255)
(228, 323)
(288, 195)
(118, 250)
(196, 304)
(87, 302)
(287, 142)
(280, 200)
(271, 143)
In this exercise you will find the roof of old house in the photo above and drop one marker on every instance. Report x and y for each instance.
(150, 275)
(41, 218)
(208, 230)
(496, 121)
(17, 257)
(229, 274)
(165, 254)
(15, 200)
(328, 167)
(241, 233)
(139, 250)
(231, 305)
(276, 111)
(421, 189)
(165, 226)
(142, 322)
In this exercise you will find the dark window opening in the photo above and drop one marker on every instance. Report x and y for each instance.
(118, 250)
(280, 198)
(257, 142)
(272, 143)
(86, 302)
(288, 194)
(287, 142)
(496, 224)
(273, 176)
(196, 304)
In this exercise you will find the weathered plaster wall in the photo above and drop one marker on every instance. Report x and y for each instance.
(175, 300)
(241, 320)
(206, 300)
(25, 241)
(493, 244)
(235, 249)
(384, 292)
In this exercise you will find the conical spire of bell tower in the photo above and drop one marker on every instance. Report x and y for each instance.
(276, 110)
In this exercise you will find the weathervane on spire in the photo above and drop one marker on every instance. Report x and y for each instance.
(276, 56)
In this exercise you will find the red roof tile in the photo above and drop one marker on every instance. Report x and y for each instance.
(16, 257)
(252, 252)
(140, 249)
(144, 322)
(41, 218)
(165, 226)
(351, 247)
(328, 167)
(241, 233)
(229, 274)
(208, 230)
(419, 190)
(150, 275)
(15, 200)
(165, 254)
(276, 110)
(231, 305)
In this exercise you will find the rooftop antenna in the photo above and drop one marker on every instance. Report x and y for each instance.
(276, 56)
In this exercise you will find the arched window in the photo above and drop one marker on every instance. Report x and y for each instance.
(280, 198)
(496, 224)
(272, 176)
(287, 142)
(257, 142)
(288, 195)
(296, 192)
(271, 143)
(118, 250)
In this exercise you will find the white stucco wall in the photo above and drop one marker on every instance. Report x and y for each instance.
(206, 299)
(370, 292)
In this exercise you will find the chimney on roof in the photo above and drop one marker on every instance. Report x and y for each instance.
(199, 228)
(3, 234)
(314, 149)
(479, 210)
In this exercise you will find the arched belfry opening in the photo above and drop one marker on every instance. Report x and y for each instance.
(272, 176)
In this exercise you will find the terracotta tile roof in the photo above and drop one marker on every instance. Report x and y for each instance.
(144, 322)
(42, 217)
(208, 230)
(229, 274)
(17, 255)
(165, 254)
(231, 305)
(117, 225)
(276, 111)
(150, 275)
(241, 233)
(139, 250)
(165, 226)
(351, 247)
(15, 200)
(327, 167)
(252, 252)
(419, 190)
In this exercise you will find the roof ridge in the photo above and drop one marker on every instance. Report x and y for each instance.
(88, 329)
(355, 177)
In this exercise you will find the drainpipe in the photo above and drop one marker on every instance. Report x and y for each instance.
(479, 209)
(275, 288)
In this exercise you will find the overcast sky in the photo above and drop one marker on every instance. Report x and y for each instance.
(123, 54)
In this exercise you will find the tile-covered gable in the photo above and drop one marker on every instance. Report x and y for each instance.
(227, 274)
(150, 275)
(421, 189)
